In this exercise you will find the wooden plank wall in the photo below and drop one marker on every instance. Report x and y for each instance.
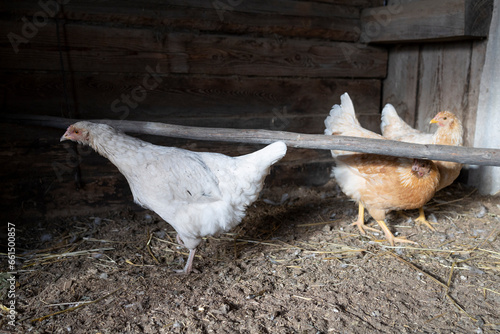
(424, 79)
(278, 64)
(427, 20)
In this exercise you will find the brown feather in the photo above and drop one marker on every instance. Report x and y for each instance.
(389, 183)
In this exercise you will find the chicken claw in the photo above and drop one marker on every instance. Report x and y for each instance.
(189, 265)
(390, 237)
(421, 219)
(360, 223)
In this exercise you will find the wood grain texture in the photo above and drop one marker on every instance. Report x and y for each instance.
(285, 17)
(436, 77)
(225, 55)
(427, 20)
(443, 84)
(154, 8)
(478, 14)
(476, 69)
(293, 104)
(401, 83)
(112, 49)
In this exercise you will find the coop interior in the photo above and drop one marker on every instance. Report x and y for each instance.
(89, 258)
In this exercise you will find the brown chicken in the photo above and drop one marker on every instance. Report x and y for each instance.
(378, 183)
(449, 132)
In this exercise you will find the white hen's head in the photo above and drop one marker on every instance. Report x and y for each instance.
(83, 132)
(77, 132)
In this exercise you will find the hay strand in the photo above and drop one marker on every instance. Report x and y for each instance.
(70, 309)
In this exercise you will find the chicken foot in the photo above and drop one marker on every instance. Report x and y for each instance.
(360, 223)
(421, 219)
(390, 237)
(189, 265)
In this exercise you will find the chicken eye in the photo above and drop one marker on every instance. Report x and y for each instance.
(76, 132)
(445, 118)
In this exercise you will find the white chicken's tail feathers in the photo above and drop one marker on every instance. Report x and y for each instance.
(341, 117)
(389, 115)
(269, 155)
(343, 122)
(391, 121)
(393, 126)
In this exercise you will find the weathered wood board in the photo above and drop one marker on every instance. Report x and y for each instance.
(111, 49)
(293, 104)
(401, 83)
(426, 79)
(294, 18)
(427, 20)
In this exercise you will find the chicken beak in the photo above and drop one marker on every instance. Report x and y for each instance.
(65, 136)
(433, 121)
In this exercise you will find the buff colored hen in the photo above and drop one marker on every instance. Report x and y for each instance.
(449, 132)
(378, 183)
(198, 193)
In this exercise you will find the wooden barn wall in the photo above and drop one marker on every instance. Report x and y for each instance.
(425, 78)
(278, 65)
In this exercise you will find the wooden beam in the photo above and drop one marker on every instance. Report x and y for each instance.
(427, 20)
(466, 155)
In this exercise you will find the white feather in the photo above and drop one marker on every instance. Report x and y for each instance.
(342, 121)
(199, 194)
(393, 127)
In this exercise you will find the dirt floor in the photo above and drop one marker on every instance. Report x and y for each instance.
(294, 265)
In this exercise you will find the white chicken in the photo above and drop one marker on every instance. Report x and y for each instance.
(199, 194)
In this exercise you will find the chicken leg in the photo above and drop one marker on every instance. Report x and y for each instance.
(189, 264)
(360, 223)
(390, 237)
(421, 219)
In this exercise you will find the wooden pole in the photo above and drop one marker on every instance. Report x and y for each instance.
(465, 155)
